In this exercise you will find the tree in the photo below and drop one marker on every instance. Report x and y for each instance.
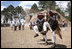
(68, 10)
(20, 10)
(60, 11)
(47, 4)
(10, 11)
(10, 8)
(51, 4)
(5, 13)
(31, 11)
(42, 4)
(34, 8)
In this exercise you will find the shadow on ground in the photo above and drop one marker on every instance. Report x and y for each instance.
(50, 43)
(47, 40)
(60, 46)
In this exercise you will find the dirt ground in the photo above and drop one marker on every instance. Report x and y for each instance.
(25, 39)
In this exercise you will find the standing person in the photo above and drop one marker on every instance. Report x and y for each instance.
(19, 24)
(11, 25)
(63, 24)
(30, 25)
(22, 23)
(15, 25)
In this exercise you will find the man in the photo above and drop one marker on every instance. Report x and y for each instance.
(39, 24)
(63, 24)
(12, 24)
(30, 25)
(19, 25)
(42, 26)
(15, 25)
(22, 23)
(53, 24)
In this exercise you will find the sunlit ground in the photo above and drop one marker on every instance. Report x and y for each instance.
(25, 38)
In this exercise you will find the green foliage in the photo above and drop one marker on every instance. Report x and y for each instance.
(34, 8)
(60, 11)
(47, 4)
(68, 17)
(68, 10)
(10, 11)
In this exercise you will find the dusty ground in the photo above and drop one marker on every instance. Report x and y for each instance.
(25, 39)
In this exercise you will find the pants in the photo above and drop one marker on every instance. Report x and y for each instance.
(46, 24)
(19, 27)
(40, 28)
(35, 28)
(53, 37)
(30, 27)
(22, 27)
(15, 28)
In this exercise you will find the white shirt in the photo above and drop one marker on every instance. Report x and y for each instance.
(22, 21)
(12, 23)
(16, 23)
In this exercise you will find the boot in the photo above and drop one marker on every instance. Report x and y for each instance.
(46, 43)
(36, 35)
(53, 46)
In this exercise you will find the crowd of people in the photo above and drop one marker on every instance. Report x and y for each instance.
(20, 23)
(41, 25)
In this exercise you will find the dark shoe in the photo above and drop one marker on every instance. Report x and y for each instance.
(43, 39)
(46, 43)
(53, 46)
(36, 35)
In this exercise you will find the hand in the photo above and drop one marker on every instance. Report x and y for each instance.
(51, 31)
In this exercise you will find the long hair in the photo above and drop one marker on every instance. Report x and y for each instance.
(58, 30)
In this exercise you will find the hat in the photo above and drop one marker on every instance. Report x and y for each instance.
(49, 11)
(40, 16)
